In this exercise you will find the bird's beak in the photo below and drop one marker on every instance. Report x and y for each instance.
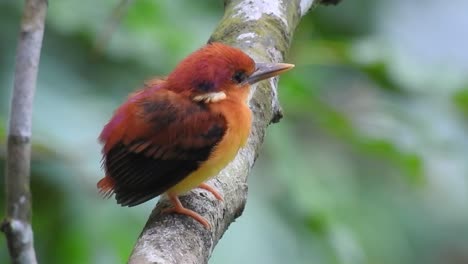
(267, 70)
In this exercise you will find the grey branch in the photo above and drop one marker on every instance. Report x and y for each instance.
(17, 224)
(264, 30)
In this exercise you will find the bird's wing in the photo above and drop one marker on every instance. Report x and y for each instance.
(154, 141)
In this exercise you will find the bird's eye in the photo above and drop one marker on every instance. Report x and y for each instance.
(239, 76)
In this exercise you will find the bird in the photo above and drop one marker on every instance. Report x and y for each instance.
(179, 131)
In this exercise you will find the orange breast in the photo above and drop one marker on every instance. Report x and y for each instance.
(239, 120)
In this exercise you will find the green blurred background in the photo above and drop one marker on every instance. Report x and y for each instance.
(369, 164)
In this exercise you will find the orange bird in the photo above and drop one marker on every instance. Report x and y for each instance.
(176, 133)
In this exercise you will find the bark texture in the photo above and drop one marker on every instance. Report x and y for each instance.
(264, 30)
(17, 224)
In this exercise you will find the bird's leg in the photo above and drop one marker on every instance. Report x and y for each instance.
(211, 190)
(180, 209)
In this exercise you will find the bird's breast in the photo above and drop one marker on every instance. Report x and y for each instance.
(238, 118)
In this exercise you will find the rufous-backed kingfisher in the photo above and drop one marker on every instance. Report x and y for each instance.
(176, 133)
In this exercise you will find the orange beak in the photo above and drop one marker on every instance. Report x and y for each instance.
(267, 70)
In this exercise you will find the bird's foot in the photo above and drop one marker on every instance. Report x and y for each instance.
(180, 209)
(211, 190)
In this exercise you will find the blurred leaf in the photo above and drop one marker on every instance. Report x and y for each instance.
(347, 20)
(460, 99)
(318, 224)
(341, 53)
(379, 73)
(410, 164)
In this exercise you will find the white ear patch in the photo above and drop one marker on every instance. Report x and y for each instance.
(210, 97)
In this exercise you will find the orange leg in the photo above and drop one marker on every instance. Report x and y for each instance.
(211, 190)
(180, 209)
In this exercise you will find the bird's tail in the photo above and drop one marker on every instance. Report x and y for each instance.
(106, 186)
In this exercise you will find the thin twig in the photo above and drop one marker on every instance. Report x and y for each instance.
(110, 26)
(17, 224)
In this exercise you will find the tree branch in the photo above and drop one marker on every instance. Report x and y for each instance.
(264, 30)
(17, 224)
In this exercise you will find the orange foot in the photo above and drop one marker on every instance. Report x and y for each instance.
(180, 209)
(211, 190)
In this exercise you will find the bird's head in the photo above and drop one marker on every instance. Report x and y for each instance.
(217, 71)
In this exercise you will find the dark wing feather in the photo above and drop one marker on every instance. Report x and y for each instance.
(165, 139)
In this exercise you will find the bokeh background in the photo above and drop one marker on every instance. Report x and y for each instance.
(369, 164)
